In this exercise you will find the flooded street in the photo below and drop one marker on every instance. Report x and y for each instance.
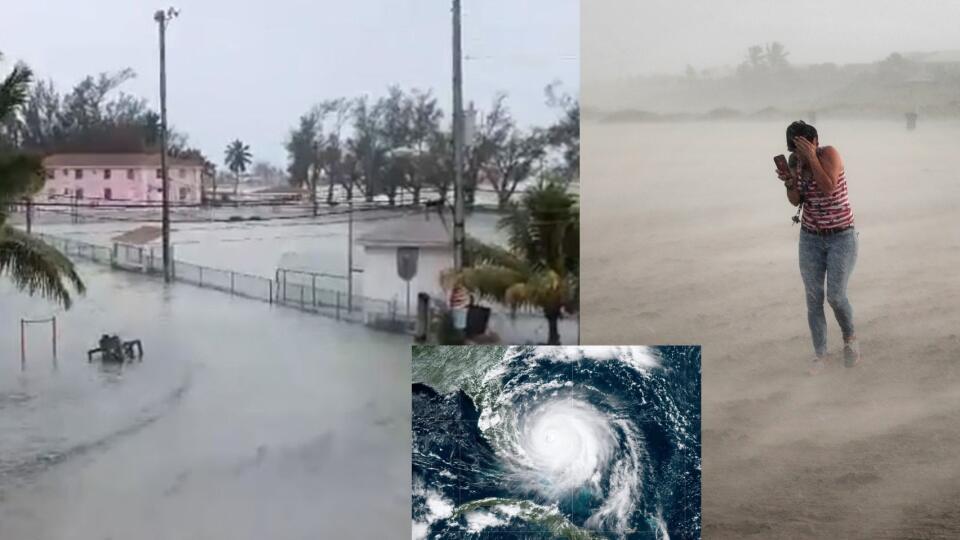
(244, 420)
(310, 244)
(260, 247)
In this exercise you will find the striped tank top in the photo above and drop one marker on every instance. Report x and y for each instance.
(823, 211)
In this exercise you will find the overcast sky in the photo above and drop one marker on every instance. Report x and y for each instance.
(628, 37)
(248, 69)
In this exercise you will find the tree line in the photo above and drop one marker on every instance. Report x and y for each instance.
(94, 116)
(765, 80)
(398, 143)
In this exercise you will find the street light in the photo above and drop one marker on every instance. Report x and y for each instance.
(162, 18)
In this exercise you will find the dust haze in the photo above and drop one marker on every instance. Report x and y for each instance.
(768, 59)
(688, 239)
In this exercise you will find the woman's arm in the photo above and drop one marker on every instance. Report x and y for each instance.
(790, 182)
(826, 166)
(793, 195)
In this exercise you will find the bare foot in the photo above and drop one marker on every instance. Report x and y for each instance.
(851, 352)
(818, 365)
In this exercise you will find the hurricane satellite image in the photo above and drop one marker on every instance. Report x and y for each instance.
(556, 442)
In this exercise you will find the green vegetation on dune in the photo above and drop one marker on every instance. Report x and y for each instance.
(448, 369)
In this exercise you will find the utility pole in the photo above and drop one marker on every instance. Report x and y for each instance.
(162, 17)
(458, 231)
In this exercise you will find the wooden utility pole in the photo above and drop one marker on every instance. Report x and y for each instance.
(162, 17)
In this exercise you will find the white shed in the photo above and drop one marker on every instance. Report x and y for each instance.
(422, 243)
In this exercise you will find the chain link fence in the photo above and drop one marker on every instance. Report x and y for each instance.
(308, 297)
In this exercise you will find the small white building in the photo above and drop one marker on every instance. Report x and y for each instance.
(426, 243)
(139, 249)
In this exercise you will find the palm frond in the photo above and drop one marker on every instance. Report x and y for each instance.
(37, 267)
(13, 89)
(490, 282)
(21, 175)
(480, 253)
(548, 289)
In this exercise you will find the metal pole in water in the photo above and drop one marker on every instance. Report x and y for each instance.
(54, 321)
(350, 258)
(29, 214)
(23, 347)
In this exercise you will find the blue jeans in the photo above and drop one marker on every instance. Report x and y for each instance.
(829, 258)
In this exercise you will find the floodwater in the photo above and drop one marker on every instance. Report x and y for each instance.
(316, 245)
(244, 420)
(260, 247)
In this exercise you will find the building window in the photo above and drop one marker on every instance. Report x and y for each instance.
(50, 174)
(129, 174)
(66, 172)
(183, 193)
(159, 173)
(66, 191)
(106, 174)
(78, 173)
(183, 173)
(107, 194)
(79, 194)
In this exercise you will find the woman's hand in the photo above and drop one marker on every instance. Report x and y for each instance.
(786, 178)
(806, 149)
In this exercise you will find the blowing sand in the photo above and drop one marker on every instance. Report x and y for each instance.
(687, 240)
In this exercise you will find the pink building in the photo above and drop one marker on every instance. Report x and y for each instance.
(133, 178)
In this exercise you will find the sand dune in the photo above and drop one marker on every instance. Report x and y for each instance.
(687, 239)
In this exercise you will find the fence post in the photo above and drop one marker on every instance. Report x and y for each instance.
(284, 287)
(200, 270)
(23, 345)
(55, 366)
(301, 297)
(271, 292)
(422, 332)
(313, 287)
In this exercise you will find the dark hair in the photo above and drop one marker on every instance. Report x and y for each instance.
(800, 129)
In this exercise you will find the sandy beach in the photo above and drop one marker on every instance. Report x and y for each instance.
(688, 240)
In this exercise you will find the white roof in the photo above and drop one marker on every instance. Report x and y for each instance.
(424, 230)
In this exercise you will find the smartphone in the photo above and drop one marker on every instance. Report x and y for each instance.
(781, 162)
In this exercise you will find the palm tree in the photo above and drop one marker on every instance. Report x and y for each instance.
(540, 266)
(776, 55)
(32, 265)
(236, 158)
